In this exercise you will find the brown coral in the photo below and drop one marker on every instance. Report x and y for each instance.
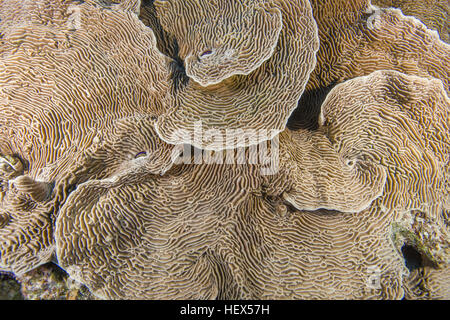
(26, 239)
(262, 100)
(70, 96)
(433, 13)
(219, 39)
(224, 231)
(322, 178)
(405, 129)
(331, 216)
(174, 243)
(429, 283)
(405, 124)
(65, 93)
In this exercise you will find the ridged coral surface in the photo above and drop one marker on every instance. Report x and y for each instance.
(212, 149)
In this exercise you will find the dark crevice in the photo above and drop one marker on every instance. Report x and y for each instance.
(306, 115)
(52, 185)
(140, 154)
(205, 53)
(71, 188)
(25, 163)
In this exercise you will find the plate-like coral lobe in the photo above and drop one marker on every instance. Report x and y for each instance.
(221, 38)
(322, 178)
(261, 100)
(62, 85)
(165, 42)
(404, 129)
(226, 231)
(356, 39)
(156, 237)
(434, 13)
(80, 88)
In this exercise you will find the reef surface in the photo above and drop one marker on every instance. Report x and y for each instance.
(217, 149)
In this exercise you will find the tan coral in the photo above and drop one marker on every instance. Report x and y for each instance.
(99, 83)
(26, 238)
(262, 100)
(175, 244)
(224, 231)
(219, 39)
(428, 283)
(130, 5)
(405, 129)
(219, 231)
(356, 39)
(434, 13)
(129, 147)
(47, 12)
(39, 191)
(160, 245)
(166, 43)
(120, 5)
(4, 218)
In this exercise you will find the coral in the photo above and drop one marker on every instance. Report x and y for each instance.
(323, 177)
(219, 39)
(213, 150)
(178, 231)
(259, 101)
(61, 102)
(359, 39)
(429, 283)
(405, 125)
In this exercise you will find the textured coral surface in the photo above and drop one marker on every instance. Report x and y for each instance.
(434, 14)
(219, 149)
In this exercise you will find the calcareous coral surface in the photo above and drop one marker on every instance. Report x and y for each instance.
(224, 149)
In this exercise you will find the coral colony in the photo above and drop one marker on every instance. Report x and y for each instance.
(219, 149)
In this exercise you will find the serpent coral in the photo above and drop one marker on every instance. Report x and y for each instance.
(358, 39)
(226, 231)
(68, 87)
(261, 100)
(330, 207)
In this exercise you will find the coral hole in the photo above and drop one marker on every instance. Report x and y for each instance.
(413, 258)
